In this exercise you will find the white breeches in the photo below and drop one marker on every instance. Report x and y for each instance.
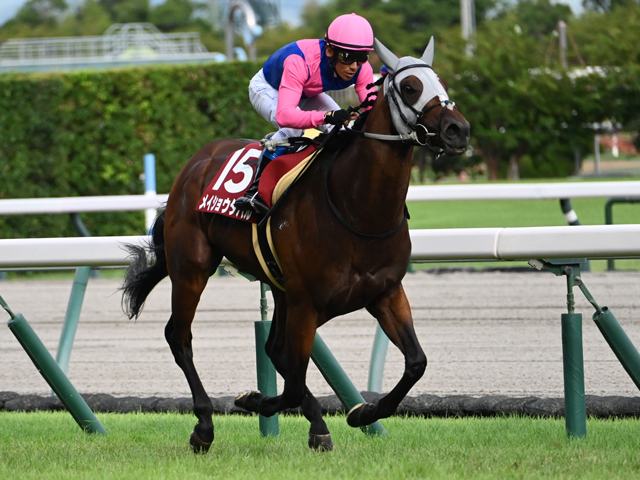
(264, 99)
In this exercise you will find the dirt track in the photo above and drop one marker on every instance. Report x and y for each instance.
(483, 333)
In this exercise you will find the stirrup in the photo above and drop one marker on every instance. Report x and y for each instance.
(255, 203)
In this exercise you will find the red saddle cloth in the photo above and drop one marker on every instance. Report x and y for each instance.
(236, 175)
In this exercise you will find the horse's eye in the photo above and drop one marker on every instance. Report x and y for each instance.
(407, 89)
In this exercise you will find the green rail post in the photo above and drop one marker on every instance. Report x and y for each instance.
(267, 383)
(72, 317)
(378, 357)
(339, 381)
(52, 373)
(573, 362)
(615, 336)
(572, 351)
(619, 343)
(573, 367)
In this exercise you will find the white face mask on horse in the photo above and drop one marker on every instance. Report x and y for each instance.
(404, 116)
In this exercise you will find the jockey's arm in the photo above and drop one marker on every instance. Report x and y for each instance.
(294, 76)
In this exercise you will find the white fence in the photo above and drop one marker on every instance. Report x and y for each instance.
(611, 241)
(594, 241)
(520, 191)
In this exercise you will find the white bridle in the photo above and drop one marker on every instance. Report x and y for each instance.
(404, 116)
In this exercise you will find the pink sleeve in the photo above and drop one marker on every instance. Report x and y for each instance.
(294, 76)
(364, 79)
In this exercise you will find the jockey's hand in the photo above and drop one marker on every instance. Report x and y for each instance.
(337, 117)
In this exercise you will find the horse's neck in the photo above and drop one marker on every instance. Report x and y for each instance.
(373, 176)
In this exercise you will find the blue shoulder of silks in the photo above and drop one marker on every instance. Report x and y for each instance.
(330, 79)
(274, 66)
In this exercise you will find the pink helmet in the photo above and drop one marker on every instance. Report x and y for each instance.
(350, 32)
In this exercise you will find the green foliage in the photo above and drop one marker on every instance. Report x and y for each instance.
(36, 12)
(529, 117)
(85, 133)
(537, 17)
(122, 11)
(603, 6)
(611, 39)
(404, 27)
(172, 14)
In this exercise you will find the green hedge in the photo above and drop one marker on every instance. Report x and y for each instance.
(85, 133)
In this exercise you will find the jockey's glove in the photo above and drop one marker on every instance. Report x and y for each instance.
(337, 117)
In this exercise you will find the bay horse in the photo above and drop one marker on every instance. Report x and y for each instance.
(341, 237)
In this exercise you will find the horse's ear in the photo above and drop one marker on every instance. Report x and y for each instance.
(386, 55)
(427, 56)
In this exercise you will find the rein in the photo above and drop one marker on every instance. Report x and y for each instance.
(331, 161)
(344, 221)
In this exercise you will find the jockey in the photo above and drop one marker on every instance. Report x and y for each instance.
(289, 90)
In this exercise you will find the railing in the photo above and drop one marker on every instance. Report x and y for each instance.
(537, 244)
(523, 243)
(521, 191)
(122, 44)
(128, 39)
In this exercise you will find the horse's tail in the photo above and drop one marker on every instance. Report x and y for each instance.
(144, 273)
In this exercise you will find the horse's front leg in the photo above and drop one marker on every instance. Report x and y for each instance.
(298, 335)
(394, 315)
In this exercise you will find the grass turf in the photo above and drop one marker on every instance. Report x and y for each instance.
(50, 445)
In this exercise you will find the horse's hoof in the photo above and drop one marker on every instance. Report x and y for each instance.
(320, 443)
(198, 445)
(248, 400)
(357, 416)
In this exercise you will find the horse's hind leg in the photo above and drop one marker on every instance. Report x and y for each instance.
(394, 315)
(189, 270)
(319, 436)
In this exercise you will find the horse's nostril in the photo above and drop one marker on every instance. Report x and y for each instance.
(452, 130)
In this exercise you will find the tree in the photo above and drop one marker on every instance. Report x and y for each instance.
(536, 17)
(39, 12)
(604, 6)
(173, 14)
(517, 108)
(127, 11)
(90, 18)
(609, 39)
(404, 26)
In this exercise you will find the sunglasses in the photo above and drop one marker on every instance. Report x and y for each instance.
(347, 57)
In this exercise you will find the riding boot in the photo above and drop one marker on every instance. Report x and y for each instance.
(251, 200)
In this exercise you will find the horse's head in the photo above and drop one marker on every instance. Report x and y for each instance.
(419, 104)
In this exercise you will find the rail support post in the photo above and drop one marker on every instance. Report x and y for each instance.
(619, 342)
(572, 351)
(611, 330)
(573, 368)
(52, 373)
(339, 381)
(267, 384)
(72, 317)
(378, 358)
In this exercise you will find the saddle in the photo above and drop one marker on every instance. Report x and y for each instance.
(234, 178)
